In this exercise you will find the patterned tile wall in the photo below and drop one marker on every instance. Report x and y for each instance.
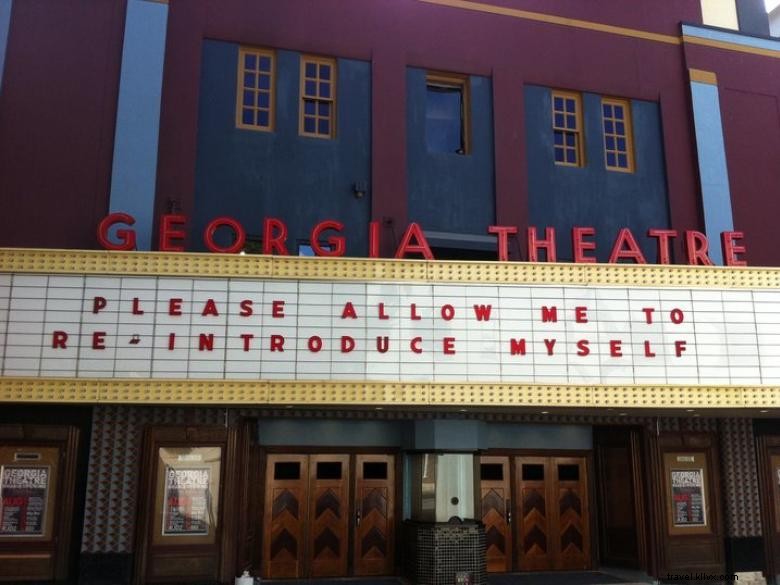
(740, 477)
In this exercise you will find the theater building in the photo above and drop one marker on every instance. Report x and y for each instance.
(388, 288)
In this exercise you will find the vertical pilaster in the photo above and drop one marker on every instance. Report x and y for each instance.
(5, 25)
(711, 152)
(134, 170)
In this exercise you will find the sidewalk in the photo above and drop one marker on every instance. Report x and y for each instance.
(607, 577)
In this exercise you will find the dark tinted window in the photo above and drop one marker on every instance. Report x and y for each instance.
(533, 472)
(374, 470)
(444, 119)
(491, 471)
(568, 473)
(287, 470)
(329, 470)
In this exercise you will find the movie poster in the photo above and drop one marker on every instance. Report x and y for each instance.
(23, 494)
(688, 497)
(187, 499)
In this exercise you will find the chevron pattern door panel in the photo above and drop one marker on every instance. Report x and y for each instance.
(572, 531)
(496, 502)
(374, 518)
(328, 525)
(535, 545)
(286, 512)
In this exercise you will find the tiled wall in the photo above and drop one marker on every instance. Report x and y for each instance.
(739, 477)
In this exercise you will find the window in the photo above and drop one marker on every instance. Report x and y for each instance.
(618, 150)
(567, 129)
(318, 97)
(446, 113)
(722, 13)
(255, 95)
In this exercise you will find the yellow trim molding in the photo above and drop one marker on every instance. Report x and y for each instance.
(77, 262)
(622, 31)
(727, 46)
(560, 20)
(701, 76)
(382, 394)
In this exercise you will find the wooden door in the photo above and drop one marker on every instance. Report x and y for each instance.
(622, 511)
(374, 514)
(554, 523)
(286, 512)
(570, 513)
(496, 505)
(768, 447)
(774, 480)
(534, 509)
(328, 523)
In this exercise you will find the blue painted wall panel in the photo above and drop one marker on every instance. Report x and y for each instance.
(506, 436)
(249, 174)
(5, 25)
(564, 197)
(713, 169)
(451, 192)
(331, 433)
(134, 167)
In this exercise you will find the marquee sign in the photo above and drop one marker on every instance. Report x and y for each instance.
(94, 326)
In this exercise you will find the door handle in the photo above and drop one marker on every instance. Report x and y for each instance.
(357, 518)
(508, 513)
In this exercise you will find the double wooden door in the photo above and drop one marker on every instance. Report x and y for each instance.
(539, 504)
(325, 514)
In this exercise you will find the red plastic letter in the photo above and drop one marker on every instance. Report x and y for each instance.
(503, 232)
(406, 246)
(168, 232)
(663, 243)
(126, 237)
(625, 239)
(337, 244)
(547, 244)
(349, 311)
(347, 343)
(274, 236)
(99, 340)
(731, 248)
(246, 308)
(210, 309)
(580, 246)
(239, 235)
(59, 340)
(174, 307)
(373, 239)
(696, 247)
(98, 304)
